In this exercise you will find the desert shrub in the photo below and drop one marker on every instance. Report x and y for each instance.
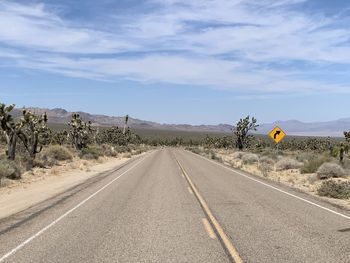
(207, 151)
(287, 163)
(137, 151)
(265, 168)
(269, 153)
(214, 156)
(9, 169)
(312, 178)
(335, 189)
(43, 163)
(109, 150)
(22, 160)
(128, 155)
(313, 164)
(266, 159)
(91, 153)
(122, 149)
(346, 164)
(56, 152)
(89, 156)
(250, 158)
(193, 149)
(304, 157)
(238, 155)
(335, 152)
(329, 170)
(280, 157)
(265, 165)
(110, 153)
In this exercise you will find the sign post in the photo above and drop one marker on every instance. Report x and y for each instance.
(277, 134)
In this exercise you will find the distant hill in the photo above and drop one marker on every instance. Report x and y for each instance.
(291, 127)
(59, 115)
(295, 127)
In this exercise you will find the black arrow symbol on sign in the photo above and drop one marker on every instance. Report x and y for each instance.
(276, 133)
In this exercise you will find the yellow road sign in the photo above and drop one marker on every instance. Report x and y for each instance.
(277, 134)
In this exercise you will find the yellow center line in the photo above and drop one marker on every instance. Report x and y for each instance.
(227, 243)
(208, 228)
(190, 190)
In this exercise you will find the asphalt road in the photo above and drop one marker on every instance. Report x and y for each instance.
(160, 208)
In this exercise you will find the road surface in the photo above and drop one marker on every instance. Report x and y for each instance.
(174, 206)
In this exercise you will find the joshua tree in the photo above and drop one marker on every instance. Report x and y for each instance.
(347, 136)
(208, 141)
(60, 137)
(341, 153)
(241, 131)
(96, 135)
(10, 129)
(125, 123)
(347, 144)
(79, 131)
(34, 132)
(114, 135)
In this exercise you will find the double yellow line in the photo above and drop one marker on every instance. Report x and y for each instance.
(229, 247)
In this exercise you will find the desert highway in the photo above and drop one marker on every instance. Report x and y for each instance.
(171, 205)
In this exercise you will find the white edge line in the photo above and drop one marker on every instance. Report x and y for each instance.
(8, 254)
(275, 188)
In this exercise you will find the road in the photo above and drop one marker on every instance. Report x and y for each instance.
(173, 206)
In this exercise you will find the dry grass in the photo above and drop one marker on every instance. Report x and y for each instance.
(9, 169)
(238, 155)
(54, 171)
(287, 164)
(250, 158)
(56, 152)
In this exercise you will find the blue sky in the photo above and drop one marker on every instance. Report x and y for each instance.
(176, 61)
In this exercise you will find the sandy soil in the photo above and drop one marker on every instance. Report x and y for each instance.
(41, 184)
(307, 183)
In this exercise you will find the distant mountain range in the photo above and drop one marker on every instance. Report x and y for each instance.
(295, 127)
(291, 127)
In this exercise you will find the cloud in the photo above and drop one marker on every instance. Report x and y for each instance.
(34, 27)
(214, 73)
(223, 44)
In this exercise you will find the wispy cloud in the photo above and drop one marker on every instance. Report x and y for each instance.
(223, 44)
(36, 28)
